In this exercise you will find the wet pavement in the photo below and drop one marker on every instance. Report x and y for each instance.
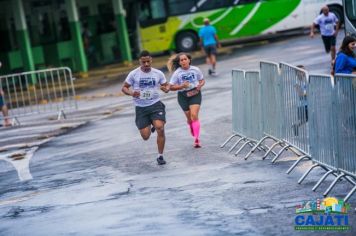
(93, 175)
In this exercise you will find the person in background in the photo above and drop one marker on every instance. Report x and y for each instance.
(209, 42)
(301, 86)
(345, 62)
(89, 47)
(150, 111)
(188, 80)
(329, 28)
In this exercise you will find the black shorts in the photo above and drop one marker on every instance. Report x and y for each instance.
(185, 102)
(210, 50)
(328, 42)
(303, 113)
(145, 115)
(1, 102)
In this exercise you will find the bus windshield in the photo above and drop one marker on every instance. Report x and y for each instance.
(350, 7)
(350, 17)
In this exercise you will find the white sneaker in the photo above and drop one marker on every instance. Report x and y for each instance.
(214, 73)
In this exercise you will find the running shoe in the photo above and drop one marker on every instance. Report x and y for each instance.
(210, 71)
(214, 73)
(160, 160)
(197, 143)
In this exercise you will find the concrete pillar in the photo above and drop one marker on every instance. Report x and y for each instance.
(23, 35)
(124, 42)
(74, 24)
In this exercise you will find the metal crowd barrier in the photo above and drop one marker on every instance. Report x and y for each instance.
(345, 138)
(295, 87)
(271, 106)
(322, 127)
(238, 77)
(312, 116)
(245, 110)
(252, 110)
(294, 128)
(37, 92)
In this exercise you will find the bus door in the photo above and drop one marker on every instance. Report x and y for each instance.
(350, 17)
(152, 16)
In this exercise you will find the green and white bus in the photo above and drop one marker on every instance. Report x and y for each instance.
(165, 25)
(350, 17)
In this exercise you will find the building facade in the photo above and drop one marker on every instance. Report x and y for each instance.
(80, 34)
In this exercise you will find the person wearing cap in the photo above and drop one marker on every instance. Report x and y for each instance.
(209, 42)
(329, 28)
(345, 62)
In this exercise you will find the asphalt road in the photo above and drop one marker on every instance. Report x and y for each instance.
(94, 175)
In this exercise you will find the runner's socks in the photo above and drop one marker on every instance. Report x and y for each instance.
(196, 129)
(191, 128)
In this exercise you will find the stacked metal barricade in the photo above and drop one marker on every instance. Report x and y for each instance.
(314, 116)
(49, 91)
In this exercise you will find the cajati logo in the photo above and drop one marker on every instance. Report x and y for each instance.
(322, 214)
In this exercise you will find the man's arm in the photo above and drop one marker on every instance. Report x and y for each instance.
(337, 27)
(201, 44)
(165, 87)
(217, 41)
(126, 90)
(312, 28)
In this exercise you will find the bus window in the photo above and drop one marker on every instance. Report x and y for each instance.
(158, 9)
(180, 7)
(351, 9)
(215, 4)
(152, 12)
(350, 17)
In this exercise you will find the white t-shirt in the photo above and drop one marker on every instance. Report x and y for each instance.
(148, 84)
(192, 75)
(326, 23)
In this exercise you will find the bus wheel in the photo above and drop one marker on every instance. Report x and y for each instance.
(338, 13)
(186, 42)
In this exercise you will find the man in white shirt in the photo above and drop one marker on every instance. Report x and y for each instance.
(329, 28)
(145, 82)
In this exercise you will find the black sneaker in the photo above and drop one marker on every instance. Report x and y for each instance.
(160, 160)
(153, 129)
(214, 73)
(210, 71)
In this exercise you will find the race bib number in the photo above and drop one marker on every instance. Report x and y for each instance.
(192, 93)
(191, 86)
(146, 94)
